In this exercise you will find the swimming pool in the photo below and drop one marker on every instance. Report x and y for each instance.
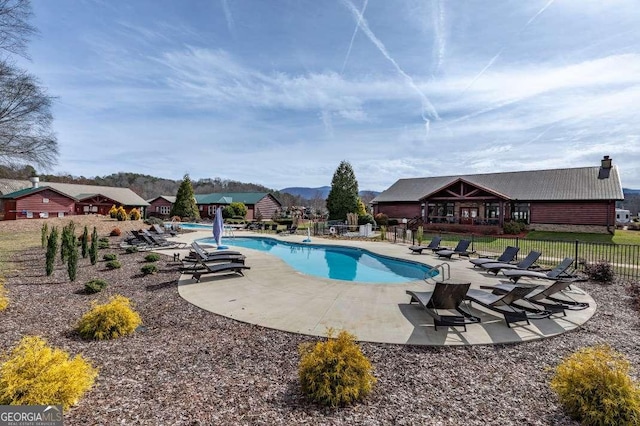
(194, 226)
(334, 262)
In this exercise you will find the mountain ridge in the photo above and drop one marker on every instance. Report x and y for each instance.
(319, 192)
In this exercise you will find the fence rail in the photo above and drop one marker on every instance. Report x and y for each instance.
(625, 258)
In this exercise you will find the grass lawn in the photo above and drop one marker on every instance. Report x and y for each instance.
(11, 242)
(620, 237)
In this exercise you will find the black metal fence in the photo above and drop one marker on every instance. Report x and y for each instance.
(625, 258)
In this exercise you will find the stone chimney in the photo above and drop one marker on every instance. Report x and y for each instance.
(605, 162)
(34, 181)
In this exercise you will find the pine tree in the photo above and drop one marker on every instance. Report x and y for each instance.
(52, 247)
(93, 250)
(343, 197)
(85, 242)
(185, 205)
(72, 258)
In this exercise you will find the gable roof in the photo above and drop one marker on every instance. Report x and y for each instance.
(583, 183)
(28, 191)
(169, 198)
(124, 196)
(231, 197)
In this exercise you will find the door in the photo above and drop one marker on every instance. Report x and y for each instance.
(468, 215)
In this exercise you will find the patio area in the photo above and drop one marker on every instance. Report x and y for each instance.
(274, 295)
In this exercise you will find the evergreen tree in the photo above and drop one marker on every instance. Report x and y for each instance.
(185, 205)
(72, 257)
(93, 250)
(43, 234)
(343, 197)
(52, 247)
(85, 242)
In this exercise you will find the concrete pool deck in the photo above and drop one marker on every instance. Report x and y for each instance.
(272, 294)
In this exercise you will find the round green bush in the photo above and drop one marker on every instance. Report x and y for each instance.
(335, 372)
(113, 264)
(103, 244)
(110, 320)
(95, 286)
(131, 249)
(110, 256)
(601, 271)
(149, 269)
(152, 257)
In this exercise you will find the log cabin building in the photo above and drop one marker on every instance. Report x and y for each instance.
(35, 199)
(570, 200)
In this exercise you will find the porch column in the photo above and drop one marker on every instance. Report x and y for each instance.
(502, 212)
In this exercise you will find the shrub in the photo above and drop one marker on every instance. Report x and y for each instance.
(52, 247)
(43, 234)
(95, 286)
(85, 242)
(72, 257)
(131, 249)
(152, 257)
(601, 271)
(154, 221)
(115, 232)
(393, 222)
(335, 372)
(363, 220)
(513, 227)
(149, 269)
(633, 226)
(134, 214)
(595, 388)
(239, 209)
(4, 300)
(113, 212)
(103, 244)
(381, 219)
(121, 214)
(228, 212)
(110, 256)
(175, 219)
(633, 290)
(93, 250)
(34, 373)
(113, 264)
(383, 233)
(110, 320)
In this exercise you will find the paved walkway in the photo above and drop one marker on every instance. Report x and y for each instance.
(274, 295)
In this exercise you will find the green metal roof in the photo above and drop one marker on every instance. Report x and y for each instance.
(230, 197)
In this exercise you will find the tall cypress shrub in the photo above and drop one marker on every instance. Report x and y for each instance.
(43, 234)
(72, 261)
(85, 242)
(93, 250)
(52, 247)
(64, 244)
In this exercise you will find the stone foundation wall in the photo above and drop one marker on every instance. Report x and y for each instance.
(594, 229)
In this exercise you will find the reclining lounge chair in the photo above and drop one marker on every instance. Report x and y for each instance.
(557, 273)
(433, 245)
(161, 231)
(506, 257)
(460, 250)
(213, 268)
(449, 297)
(545, 296)
(199, 252)
(525, 263)
(504, 304)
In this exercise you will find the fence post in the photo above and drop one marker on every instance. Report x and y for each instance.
(413, 239)
(472, 243)
(395, 234)
(575, 259)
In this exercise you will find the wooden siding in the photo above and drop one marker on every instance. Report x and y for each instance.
(574, 213)
(154, 207)
(398, 210)
(267, 206)
(35, 204)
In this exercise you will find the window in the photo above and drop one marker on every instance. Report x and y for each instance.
(520, 211)
(440, 212)
(45, 200)
(163, 209)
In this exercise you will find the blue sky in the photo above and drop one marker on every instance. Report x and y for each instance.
(278, 92)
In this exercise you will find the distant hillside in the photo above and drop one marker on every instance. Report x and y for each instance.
(627, 191)
(320, 192)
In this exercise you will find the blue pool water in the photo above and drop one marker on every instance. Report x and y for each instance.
(337, 263)
(195, 226)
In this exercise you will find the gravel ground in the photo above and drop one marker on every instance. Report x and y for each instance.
(192, 367)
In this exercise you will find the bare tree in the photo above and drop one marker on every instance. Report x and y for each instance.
(25, 108)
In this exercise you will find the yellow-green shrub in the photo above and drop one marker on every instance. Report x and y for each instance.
(335, 372)
(113, 211)
(121, 214)
(110, 320)
(4, 300)
(134, 214)
(34, 373)
(594, 386)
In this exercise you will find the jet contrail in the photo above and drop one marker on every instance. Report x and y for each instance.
(493, 60)
(228, 16)
(353, 37)
(438, 28)
(364, 26)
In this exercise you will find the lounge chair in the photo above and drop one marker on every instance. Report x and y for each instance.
(545, 296)
(200, 255)
(556, 273)
(161, 231)
(525, 263)
(214, 268)
(506, 257)
(445, 296)
(460, 250)
(504, 304)
(157, 242)
(433, 245)
(288, 231)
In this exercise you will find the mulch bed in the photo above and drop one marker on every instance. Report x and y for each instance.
(187, 366)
